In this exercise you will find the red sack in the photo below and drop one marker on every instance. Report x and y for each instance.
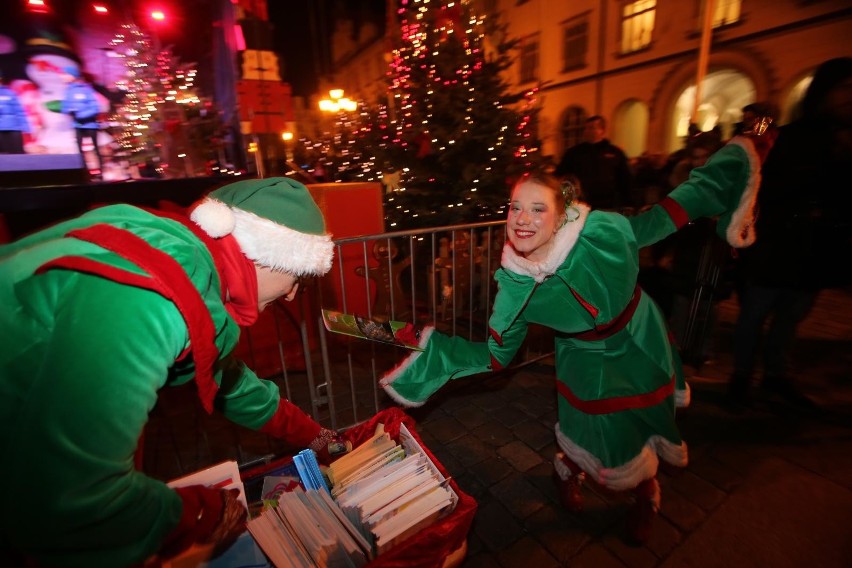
(431, 546)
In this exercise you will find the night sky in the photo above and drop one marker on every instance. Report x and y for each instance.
(301, 30)
(297, 30)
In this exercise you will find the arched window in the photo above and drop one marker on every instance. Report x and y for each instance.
(573, 124)
(630, 127)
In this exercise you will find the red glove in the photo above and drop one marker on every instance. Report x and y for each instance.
(209, 515)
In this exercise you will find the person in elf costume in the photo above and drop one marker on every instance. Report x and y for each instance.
(100, 313)
(618, 377)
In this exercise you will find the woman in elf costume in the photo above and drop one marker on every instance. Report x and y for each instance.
(618, 376)
(102, 311)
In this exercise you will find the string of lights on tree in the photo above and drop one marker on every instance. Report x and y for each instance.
(154, 77)
(457, 130)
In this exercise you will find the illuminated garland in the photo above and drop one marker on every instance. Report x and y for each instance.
(456, 129)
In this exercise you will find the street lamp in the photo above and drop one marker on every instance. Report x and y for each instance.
(335, 105)
(287, 137)
(337, 102)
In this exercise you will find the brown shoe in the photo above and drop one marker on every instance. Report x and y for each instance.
(568, 484)
(640, 517)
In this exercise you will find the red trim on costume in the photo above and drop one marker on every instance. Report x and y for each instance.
(616, 403)
(675, 210)
(613, 326)
(168, 279)
(495, 364)
(495, 336)
(589, 307)
(291, 423)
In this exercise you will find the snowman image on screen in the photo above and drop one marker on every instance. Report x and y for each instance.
(53, 131)
(48, 55)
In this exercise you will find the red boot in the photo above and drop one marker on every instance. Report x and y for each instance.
(568, 478)
(640, 517)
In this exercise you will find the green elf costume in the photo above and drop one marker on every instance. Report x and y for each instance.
(100, 313)
(618, 377)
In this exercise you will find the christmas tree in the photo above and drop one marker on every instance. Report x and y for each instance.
(158, 93)
(460, 132)
(455, 134)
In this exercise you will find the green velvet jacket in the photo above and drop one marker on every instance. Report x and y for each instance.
(83, 357)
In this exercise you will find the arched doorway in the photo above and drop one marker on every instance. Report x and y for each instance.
(724, 93)
(630, 127)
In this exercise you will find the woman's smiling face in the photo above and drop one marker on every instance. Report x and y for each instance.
(533, 219)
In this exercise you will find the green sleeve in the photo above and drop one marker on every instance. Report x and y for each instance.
(104, 350)
(445, 358)
(726, 186)
(244, 398)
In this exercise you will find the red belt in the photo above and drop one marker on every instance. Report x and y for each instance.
(616, 403)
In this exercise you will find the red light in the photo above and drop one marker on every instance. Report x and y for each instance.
(37, 6)
(158, 15)
(100, 9)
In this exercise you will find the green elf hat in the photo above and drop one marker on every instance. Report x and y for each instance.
(275, 221)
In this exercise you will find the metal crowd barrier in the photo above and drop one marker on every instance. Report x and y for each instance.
(438, 276)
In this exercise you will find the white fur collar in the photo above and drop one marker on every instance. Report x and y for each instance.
(563, 241)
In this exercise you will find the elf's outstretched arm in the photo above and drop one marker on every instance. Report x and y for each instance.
(444, 358)
(726, 186)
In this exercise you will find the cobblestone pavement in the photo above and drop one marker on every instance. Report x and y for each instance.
(768, 486)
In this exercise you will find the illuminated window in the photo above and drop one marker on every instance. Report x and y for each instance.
(529, 59)
(573, 125)
(726, 12)
(575, 38)
(637, 25)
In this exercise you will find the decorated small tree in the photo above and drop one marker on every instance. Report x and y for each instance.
(158, 88)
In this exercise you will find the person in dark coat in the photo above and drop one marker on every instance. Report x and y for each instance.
(804, 231)
(600, 166)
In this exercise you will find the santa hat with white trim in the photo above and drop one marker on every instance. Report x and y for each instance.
(275, 221)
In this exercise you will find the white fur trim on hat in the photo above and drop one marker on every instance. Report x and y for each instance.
(280, 247)
(214, 217)
(266, 242)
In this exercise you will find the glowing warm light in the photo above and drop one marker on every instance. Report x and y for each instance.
(37, 6)
(158, 15)
(100, 9)
(286, 136)
(337, 102)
